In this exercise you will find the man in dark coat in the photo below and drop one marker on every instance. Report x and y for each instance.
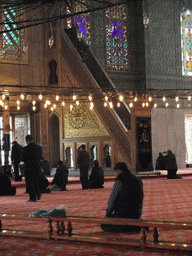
(96, 179)
(83, 161)
(126, 199)
(16, 156)
(32, 154)
(171, 165)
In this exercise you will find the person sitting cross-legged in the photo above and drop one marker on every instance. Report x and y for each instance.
(96, 179)
(126, 199)
(60, 179)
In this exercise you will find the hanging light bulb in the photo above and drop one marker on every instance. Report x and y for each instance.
(111, 104)
(79, 34)
(131, 105)
(18, 102)
(71, 107)
(90, 97)
(145, 21)
(51, 41)
(155, 105)
(25, 47)
(143, 104)
(33, 102)
(164, 98)
(77, 103)
(54, 106)
(118, 104)
(189, 97)
(135, 99)
(121, 97)
(57, 97)
(106, 98)
(105, 104)
(1, 103)
(74, 97)
(45, 105)
(110, 27)
(34, 108)
(177, 98)
(147, 104)
(40, 96)
(91, 105)
(3, 96)
(166, 104)
(178, 105)
(18, 107)
(5, 107)
(47, 102)
(63, 103)
(22, 96)
(150, 98)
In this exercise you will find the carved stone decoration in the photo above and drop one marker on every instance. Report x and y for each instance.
(77, 117)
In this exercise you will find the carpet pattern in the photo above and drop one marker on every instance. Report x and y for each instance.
(163, 200)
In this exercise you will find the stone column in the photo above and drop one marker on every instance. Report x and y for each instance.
(6, 135)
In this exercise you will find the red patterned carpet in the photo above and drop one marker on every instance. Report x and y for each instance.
(164, 200)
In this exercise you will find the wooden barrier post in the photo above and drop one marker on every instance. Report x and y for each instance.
(57, 227)
(156, 234)
(69, 228)
(62, 228)
(143, 235)
(50, 228)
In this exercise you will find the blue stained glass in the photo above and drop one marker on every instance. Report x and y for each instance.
(116, 41)
(11, 41)
(186, 43)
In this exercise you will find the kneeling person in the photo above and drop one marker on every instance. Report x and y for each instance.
(126, 199)
(60, 179)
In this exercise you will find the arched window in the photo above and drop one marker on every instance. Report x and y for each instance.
(186, 42)
(12, 44)
(116, 38)
(82, 21)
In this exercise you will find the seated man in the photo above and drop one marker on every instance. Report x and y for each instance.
(43, 183)
(126, 199)
(96, 179)
(60, 179)
(5, 186)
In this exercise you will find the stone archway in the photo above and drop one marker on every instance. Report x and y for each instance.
(54, 140)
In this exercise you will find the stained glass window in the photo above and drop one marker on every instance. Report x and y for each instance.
(12, 43)
(186, 42)
(116, 38)
(82, 22)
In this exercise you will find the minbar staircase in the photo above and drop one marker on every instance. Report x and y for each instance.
(91, 74)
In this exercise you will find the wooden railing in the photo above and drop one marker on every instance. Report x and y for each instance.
(66, 233)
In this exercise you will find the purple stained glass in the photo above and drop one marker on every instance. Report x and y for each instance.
(116, 41)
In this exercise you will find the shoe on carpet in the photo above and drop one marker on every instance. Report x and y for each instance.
(31, 200)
